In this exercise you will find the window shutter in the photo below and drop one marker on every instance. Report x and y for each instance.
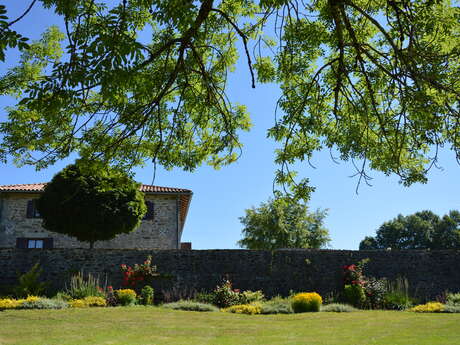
(48, 243)
(150, 208)
(30, 209)
(21, 243)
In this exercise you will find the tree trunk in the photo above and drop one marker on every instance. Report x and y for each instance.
(91, 245)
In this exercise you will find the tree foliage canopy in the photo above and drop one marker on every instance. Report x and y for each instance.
(283, 223)
(91, 202)
(376, 81)
(421, 230)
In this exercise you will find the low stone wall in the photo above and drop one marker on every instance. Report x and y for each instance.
(430, 273)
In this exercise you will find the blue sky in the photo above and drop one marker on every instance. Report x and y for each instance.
(221, 196)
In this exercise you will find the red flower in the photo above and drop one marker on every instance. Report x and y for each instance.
(349, 267)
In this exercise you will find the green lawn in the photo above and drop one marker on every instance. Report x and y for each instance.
(151, 325)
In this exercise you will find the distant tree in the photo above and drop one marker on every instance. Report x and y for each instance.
(91, 202)
(422, 230)
(368, 243)
(283, 223)
(447, 233)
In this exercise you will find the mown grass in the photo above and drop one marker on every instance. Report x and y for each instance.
(152, 325)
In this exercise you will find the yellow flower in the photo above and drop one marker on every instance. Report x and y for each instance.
(9, 303)
(126, 292)
(93, 301)
(306, 301)
(249, 309)
(90, 301)
(430, 307)
(78, 303)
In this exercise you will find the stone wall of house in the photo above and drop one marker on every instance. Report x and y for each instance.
(430, 273)
(159, 233)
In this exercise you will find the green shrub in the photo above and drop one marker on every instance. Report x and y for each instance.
(81, 286)
(277, 305)
(29, 284)
(248, 297)
(147, 293)
(332, 297)
(225, 296)
(45, 303)
(354, 295)
(451, 308)
(63, 296)
(397, 297)
(306, 302)
(139, 273)
(338, 308)
(205, 297)
(249, 309)
(191, 306)
(397, 300)
(453, 299)
(375, 290)
(126, 296)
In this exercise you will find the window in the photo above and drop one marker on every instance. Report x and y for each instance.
(32, 211)
(150, 209)
(34, 243)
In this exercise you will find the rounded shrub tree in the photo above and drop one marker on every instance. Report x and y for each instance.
(91, 202)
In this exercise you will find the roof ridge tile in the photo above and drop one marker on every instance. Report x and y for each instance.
(38, 187)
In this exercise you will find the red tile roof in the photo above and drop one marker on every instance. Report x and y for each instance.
(34, 187)
(38, 187)
(157, 189)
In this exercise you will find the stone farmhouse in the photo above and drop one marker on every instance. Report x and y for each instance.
(161, 228)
